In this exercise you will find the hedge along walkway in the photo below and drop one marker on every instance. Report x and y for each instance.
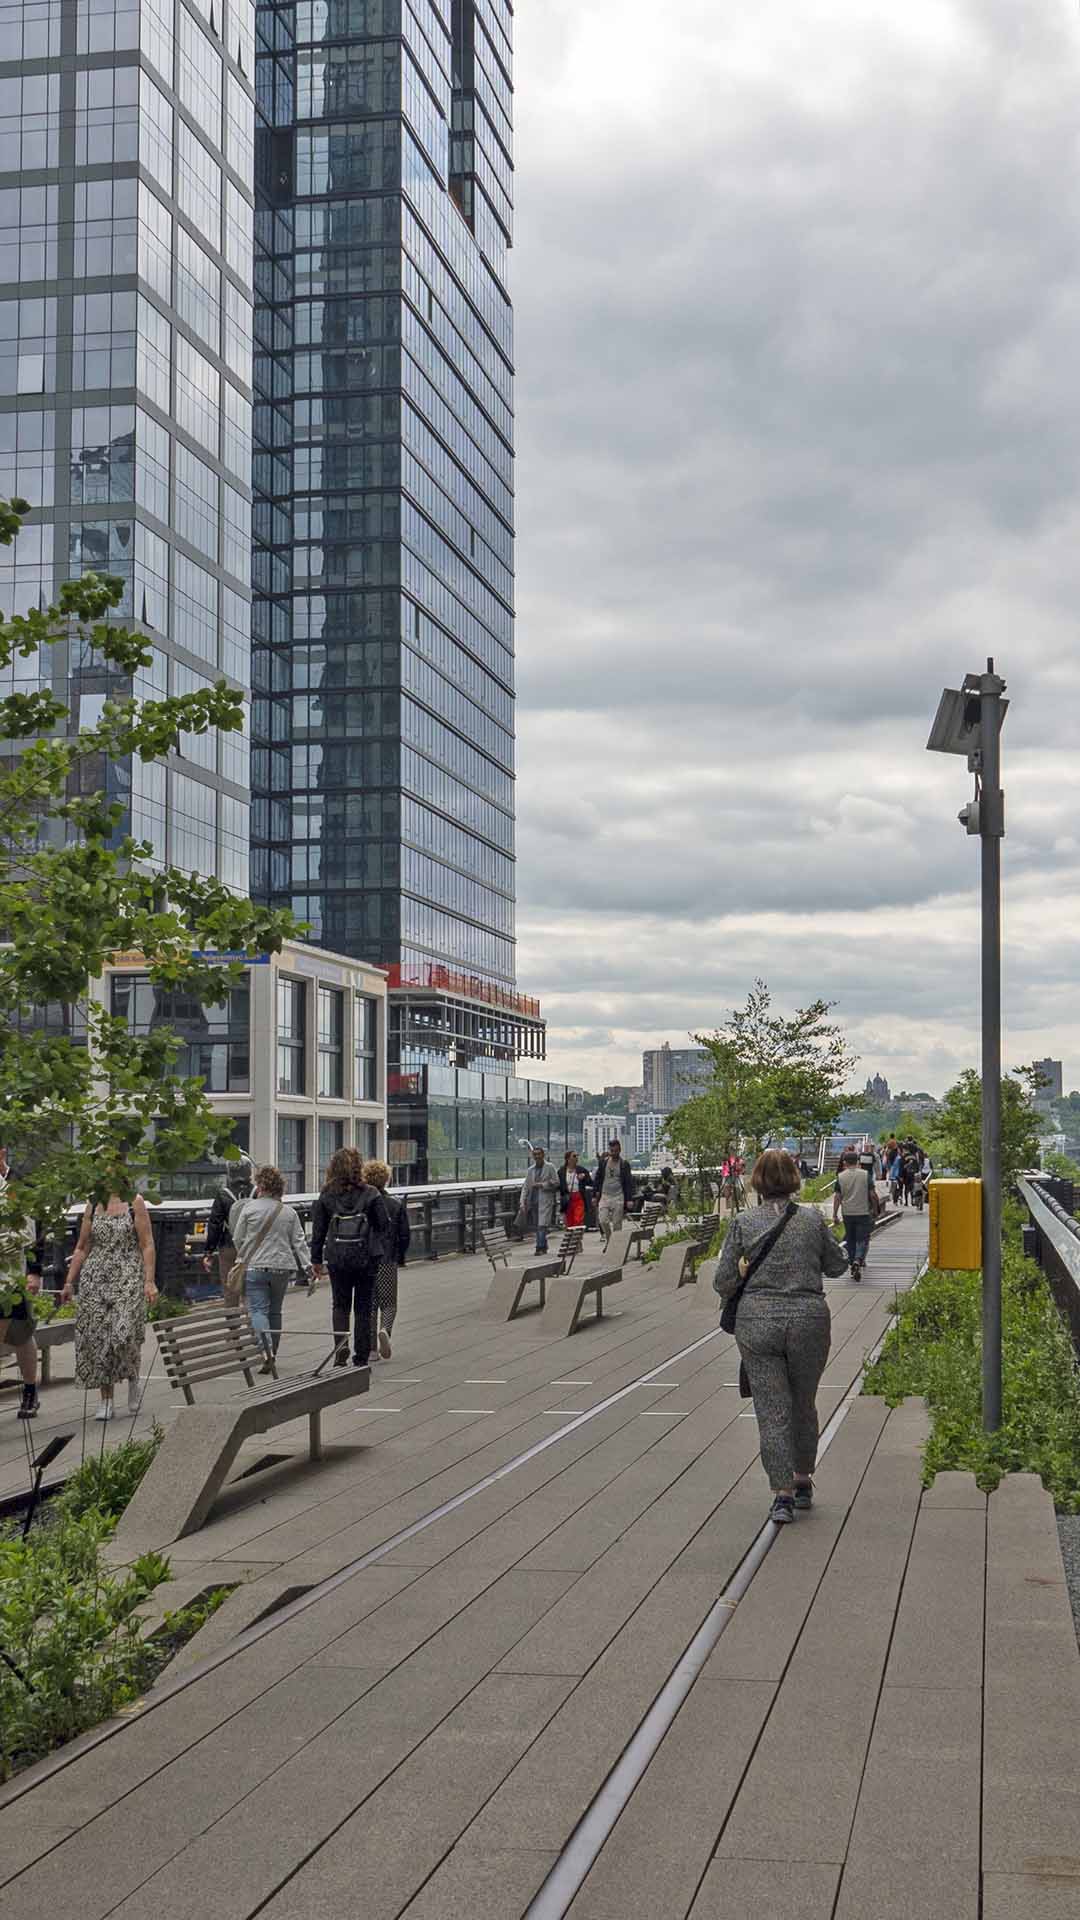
(343, 1757)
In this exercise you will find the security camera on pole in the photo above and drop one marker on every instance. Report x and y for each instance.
(969, 722)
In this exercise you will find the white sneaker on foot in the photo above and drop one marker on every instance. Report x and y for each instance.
(105, 1411)
(384, 1343)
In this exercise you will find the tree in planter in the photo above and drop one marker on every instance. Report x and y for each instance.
(88, 1108)
(769, 1075)
(956, 1139)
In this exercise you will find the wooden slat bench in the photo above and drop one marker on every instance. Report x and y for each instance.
(508, 1284)
(641, 1232)
(568, 1294)
(199, 1448)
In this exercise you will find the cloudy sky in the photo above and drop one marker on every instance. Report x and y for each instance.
(798, 341)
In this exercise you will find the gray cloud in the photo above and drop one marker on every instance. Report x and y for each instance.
(798, 300)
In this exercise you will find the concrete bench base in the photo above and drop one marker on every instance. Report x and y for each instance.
(193, 1461)
(568, 1294)
(503, 1298)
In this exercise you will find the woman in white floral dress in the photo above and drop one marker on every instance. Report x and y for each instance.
(113, 1263)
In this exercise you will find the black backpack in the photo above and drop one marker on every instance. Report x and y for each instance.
(350, 1241)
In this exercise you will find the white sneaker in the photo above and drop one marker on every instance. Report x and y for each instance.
(134, 1395)
(384, 1343)
(105, 1411)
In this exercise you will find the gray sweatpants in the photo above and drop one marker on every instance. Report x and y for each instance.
(784, 1343)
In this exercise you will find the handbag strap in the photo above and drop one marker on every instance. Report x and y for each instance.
(264, 1230)
(767, 1244)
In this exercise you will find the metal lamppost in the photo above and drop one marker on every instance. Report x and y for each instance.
(969, 722)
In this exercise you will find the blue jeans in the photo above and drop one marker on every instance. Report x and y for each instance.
(857, 1237)
(265, 1291)
(541, 1239)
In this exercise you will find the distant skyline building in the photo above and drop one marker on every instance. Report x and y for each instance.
(647, 1129)
(670, 1075)
(125, 369)
(599, 1129)
(1051, 1073)
(877, 1091)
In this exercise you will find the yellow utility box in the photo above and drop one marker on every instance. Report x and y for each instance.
(956, 1224)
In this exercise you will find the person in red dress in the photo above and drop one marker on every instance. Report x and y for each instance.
(575, 1192)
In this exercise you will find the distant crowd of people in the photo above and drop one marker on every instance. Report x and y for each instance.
(582, 1199)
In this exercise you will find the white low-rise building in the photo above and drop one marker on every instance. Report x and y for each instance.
(296, 1056)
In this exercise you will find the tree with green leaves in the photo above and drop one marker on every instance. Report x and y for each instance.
(768, 1075)
(956, 1128)
(86, 1107)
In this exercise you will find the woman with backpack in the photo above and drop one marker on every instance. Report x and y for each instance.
(770, 1278)
(350, 1237)
(377, 1174)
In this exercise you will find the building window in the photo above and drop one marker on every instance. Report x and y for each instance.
(331, 1043)
(291, 1145)
(331, 1139)
(367, 1138)
(215, 1041)
(291, 1063)
(203, 1177)
(367, 1028)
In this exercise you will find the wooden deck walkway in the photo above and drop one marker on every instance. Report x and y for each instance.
(504, 1556)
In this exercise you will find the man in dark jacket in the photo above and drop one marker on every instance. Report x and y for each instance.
(219, 1250)
(613, 1186)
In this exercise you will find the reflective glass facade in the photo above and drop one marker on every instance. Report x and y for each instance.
(126, 212)
(383, 764)
(456, 1125)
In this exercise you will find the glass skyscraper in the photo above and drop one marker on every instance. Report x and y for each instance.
(126, 211)
(383, 768)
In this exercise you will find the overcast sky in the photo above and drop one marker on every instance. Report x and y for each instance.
(798, 338)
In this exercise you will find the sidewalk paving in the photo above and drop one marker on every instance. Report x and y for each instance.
(422, 1737)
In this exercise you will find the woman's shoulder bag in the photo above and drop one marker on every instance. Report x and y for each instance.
(234, 1285)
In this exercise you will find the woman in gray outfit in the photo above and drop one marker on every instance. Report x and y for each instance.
(268, 1235)
(783, 1327)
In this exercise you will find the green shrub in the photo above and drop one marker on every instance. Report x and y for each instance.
(934, 1348)
(679, 1234)
(167, 1307)
(72, 1631)
(659, 1241)
(105, 1483)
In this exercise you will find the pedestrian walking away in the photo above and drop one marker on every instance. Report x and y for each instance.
(855, 1195)
(613, 1185)
(575, 1192)
(111, 1275)
(220, 1252)
(270, 1251)
(538, 1198)
(17, 1287)
(772, 1265)
(350, 1238)
(376, 1174)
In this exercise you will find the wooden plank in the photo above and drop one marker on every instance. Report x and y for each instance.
(1031, 1801)
(216, 1364)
